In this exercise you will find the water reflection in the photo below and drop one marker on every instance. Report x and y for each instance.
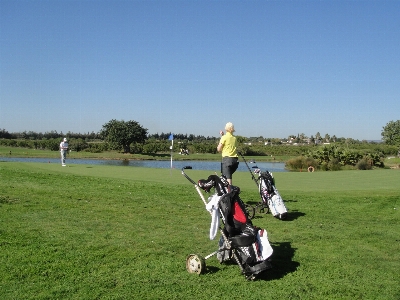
(164, 164)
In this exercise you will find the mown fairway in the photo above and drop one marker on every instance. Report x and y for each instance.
(107, 232)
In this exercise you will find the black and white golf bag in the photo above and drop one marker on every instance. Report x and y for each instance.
(270, 195)
(250, 243)
(247, 244)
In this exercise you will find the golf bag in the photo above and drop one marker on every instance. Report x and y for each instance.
(270, 195)
(240, 240)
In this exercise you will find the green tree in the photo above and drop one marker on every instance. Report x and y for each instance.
(240, 139)
(391, 133)
(4, 134)
(120, 134)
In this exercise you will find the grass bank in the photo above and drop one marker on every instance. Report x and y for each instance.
(108, 232)
(390, 162)
(26, 152)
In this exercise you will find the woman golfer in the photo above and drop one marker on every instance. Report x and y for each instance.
(227, 145)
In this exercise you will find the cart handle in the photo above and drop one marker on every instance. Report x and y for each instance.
(195, 184)
(251, 173)
(186, 176)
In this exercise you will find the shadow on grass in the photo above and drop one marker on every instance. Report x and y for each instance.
(282, 263)
(212, 270)
(293, 215)
(287, 200)
(290, 216)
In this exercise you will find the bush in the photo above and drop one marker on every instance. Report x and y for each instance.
(334, 165)
(363, 164)
(150, 148)
(204, 148)
(136, 148)
(300, 163)
(311, 162)
(96, 147)
(92, 150)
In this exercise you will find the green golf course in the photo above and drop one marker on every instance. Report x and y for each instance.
(112, 232)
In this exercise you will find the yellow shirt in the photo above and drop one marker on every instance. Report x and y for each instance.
(229, 145)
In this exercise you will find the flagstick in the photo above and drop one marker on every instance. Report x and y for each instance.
(172, 146)
(171, 137)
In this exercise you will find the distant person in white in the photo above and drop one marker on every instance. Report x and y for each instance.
(63, 150)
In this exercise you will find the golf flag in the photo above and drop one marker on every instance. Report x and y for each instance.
(171, 138)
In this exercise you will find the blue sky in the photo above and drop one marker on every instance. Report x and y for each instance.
(273, 68)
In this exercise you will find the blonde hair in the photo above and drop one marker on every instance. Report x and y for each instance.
(229, 127)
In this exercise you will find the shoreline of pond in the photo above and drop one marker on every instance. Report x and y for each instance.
(213, 165)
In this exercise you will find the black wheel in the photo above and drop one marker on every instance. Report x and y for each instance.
(250, 211)
(195, 264)
(263, 208)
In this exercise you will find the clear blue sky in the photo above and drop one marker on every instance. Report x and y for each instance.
(273, 68)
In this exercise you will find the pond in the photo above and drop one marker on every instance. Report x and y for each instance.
(164, 164)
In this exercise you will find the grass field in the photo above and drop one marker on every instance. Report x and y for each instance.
(108, 232)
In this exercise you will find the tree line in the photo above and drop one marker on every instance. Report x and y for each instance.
(390, 135)
(132, 137)
(93, 136)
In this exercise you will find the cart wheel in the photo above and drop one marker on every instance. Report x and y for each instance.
(250, 211)
(251, 277)
(195, 264)
(263, 208)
